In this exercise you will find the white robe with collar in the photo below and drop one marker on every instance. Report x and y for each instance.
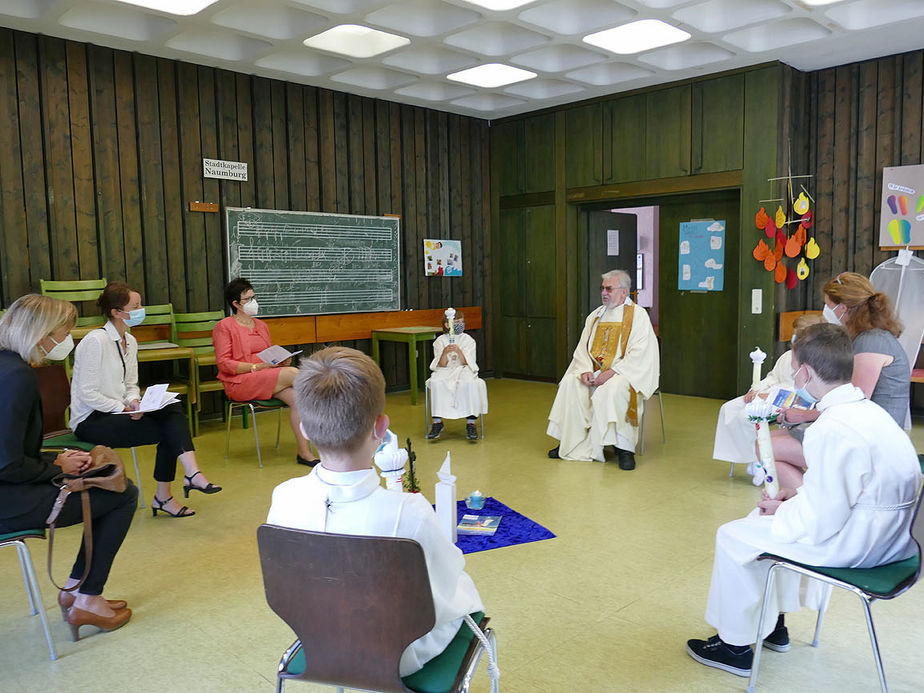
(734, 434)
(359, 505)
(853, 510)
(455, 389)
(585, 419)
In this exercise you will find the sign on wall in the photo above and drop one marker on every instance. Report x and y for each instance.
(228, 170)
(901, 221)
(701, 265)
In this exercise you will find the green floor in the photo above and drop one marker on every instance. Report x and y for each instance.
(606, 606)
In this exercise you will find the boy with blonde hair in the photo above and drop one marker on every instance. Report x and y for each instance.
(340, 397)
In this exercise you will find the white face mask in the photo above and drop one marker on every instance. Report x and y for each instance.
(60, 350)
(251, 307)
(829, 315)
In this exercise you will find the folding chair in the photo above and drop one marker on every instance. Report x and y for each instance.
(17, 539)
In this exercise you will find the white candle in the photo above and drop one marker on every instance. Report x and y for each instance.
(757, 358)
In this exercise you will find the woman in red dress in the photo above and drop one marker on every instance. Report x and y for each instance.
(238, 339)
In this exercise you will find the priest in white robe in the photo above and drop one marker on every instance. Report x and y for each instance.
(854, 509)
(734, 434)
(456, 391)
(615, 368)
(340, 397)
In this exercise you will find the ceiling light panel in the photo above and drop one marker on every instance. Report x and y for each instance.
(870, 13)
(686, 56)
(356, 41)
(423, 18)
(487, 103)
(724, 15)
(491, 75)
(125, 22)
(636, 37)
(496, 38)
(576, 16)
(177, 7)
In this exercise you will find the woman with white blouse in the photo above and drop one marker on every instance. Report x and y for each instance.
(105, 382)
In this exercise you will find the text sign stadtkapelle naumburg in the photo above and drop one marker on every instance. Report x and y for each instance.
(229, 170)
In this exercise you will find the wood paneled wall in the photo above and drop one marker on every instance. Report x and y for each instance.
(101, 152)
(847, 124)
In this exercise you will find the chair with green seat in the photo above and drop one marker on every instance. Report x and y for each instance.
(312, 582)
(194, 331)
(55, 393)
(869, 584)
(18, 539)
(253, 406)
(77, 291)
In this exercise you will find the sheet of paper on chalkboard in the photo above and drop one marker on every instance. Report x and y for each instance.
(701, 265)
(442, 258)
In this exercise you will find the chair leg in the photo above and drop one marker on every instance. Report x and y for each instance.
(663, 430)
(229, 410)
(752, 681)
(482, 425)
(426, 408)
(138, 478)
(256, 436)
(874, 642)
(816, 638)
(731, 472)
(278, 425)
(25, 577)
(641, 430)
(30, 572)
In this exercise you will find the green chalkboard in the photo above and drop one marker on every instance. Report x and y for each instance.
(310, 263)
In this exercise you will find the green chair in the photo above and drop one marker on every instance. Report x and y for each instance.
(253, 406)
(869, 584)
(55, 393)
(312, 583)
(77, 290)
(194, 331)
(17, 539)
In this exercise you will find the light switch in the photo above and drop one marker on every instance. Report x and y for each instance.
(757, 301)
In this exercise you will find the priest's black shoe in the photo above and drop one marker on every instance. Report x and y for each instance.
(626, 459)
(719, 655)
(435, 430)
(553, 453)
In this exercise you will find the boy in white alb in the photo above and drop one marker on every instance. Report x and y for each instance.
(340, 397)
(455, 388)
(853, 510)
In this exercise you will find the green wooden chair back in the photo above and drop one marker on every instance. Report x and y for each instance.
(190, 325)
(74, 290)
(161, 314)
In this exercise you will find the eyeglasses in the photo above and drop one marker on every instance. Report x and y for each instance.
(248, 299)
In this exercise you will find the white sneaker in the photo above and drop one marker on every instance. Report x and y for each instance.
(758, 475)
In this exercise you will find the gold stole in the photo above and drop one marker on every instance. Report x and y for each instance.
(603, 351)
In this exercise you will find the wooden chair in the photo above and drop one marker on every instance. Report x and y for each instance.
(36, 606)
(869, 584)
(787, 319)
(194, 331)
(77, 291)
(355, 604)
(55, 393)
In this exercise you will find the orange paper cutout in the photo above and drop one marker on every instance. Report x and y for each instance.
(780, 273)
(761, 251)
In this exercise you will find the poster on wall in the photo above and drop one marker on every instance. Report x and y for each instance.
(701, 261)
(901, 220)
(442, 258)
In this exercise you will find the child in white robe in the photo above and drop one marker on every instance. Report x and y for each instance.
(456, 391)
(734, 434)
(854, 509)
(340, 397)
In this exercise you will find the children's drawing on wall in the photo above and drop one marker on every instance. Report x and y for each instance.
(442, 258)
(902, 217)
(702, 256)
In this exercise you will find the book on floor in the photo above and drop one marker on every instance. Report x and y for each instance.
(478, 524)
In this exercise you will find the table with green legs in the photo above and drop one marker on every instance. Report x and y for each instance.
(411, 336)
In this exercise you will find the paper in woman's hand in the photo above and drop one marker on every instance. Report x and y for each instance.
(276, 354)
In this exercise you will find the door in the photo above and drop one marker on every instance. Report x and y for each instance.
(612, 243)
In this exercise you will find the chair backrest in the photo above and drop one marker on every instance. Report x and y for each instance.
(355, 602)
(788, 318)
(194, 330)
(158, 314)
(77, 290)
(55, 393)
(917, 525)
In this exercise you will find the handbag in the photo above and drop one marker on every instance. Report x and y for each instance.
(105, 472)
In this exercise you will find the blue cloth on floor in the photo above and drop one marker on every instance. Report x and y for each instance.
(514, 528)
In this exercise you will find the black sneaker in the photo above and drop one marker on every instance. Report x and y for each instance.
(471, 431)
(715, 653)
(778, 640)
(553, 453)
(626, 459)
(435, 431)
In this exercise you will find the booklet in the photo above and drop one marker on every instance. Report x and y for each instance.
(276, 354)
(145, 346)
(478, 524)
(155, 397)
(788, 398)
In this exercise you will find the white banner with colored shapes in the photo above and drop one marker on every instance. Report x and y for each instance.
(901, 221)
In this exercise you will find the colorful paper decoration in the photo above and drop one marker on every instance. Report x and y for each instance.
(801, 205)
(770, 228)
(780, 217)
(791, 279)
(811, 249)
(793, 243)
(761, 251)
(770, 262)
(761, 218)
(807, 219)
(780, 273)
(900, 230)
(802, 269)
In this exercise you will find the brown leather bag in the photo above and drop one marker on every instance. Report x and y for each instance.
(106, 472)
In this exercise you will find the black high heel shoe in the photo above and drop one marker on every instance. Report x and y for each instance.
(159, 504)
(188, 486)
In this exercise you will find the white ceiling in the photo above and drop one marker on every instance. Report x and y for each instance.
(264, 37)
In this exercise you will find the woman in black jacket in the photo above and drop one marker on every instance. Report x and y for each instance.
(36, 328)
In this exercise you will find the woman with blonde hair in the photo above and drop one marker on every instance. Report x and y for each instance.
(880, 365)
(35, 329)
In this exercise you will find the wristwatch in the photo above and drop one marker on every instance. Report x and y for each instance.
(253, 368)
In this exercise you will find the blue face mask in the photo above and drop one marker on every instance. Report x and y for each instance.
(805, 395)
(135, 317)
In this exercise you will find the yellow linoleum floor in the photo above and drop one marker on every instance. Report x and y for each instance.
(605, 606)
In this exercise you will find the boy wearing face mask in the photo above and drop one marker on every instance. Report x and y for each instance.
(105, 382)
(853, 510)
